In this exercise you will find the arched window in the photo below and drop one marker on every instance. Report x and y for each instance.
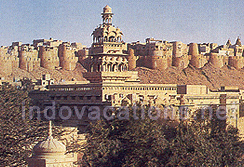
(91, 68)
(109, 67)
(115, 67)
(98, 67)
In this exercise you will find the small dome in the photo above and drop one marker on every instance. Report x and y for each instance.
(107, 9)
(50, 145)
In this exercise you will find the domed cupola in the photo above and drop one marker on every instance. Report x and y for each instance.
(49, 147)
(50, 152)
(107, 15)
(106, 32)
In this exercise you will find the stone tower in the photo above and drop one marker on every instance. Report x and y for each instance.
(107, 52)
(49, 57)
(156, 59)
(5, 61)
(131, 60)
(193, 49)
(216, 60)
(67, 57)
(107, 59)
(180, 57)
(28, 58)
(197, 60)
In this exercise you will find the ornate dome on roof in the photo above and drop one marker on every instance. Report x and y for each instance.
(49, 147)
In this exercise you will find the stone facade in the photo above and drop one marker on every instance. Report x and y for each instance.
(109, 62)
(67, 56)
(109, 52)
(28, 58)
(50, 54)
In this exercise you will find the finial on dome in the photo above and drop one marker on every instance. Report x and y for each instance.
(50, 130)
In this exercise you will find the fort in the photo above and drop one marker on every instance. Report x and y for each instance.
(113, 79)
(153, 54)
(114, 73)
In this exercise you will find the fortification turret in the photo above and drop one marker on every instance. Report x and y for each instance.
(156, 57)
(217, 60)
(49, 57)
(28, 58)
(197, 60)
(193, 49)
(180, 57)
(5, 61)
(67, 57)
(131, 59)
(177, 49)
(236, 61)
(181, 62)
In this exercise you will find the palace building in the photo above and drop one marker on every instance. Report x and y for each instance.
(111, 80)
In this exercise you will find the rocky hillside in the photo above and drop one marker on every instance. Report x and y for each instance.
(208, 75)
(57, 75)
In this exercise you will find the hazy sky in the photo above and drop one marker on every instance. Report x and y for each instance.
(74, 20)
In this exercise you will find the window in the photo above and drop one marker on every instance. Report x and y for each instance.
(81, 97)
(108, 97)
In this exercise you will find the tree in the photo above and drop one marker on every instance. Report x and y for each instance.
(146, 142)
(130, 142)
(17, 133)
(206, 142)
(27, 84)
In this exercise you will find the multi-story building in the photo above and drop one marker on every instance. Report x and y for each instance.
(111, 81)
